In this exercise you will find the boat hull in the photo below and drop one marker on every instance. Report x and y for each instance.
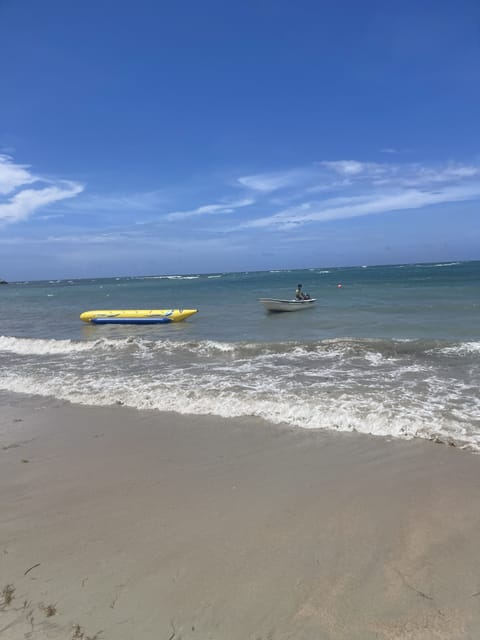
(136, 316)
(273, 304)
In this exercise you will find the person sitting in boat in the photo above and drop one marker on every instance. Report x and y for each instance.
(299, 295)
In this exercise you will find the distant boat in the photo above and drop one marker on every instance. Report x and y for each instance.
(274, 304)
(3, 281)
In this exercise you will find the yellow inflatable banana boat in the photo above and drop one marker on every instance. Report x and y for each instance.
(136, 316)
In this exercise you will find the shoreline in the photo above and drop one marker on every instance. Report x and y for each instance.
(143, 524)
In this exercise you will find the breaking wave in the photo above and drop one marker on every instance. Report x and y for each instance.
(394, 388)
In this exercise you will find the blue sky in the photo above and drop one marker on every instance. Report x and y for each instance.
(154, 137)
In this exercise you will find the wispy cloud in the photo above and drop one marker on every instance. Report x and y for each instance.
(348, 167)
(341, 208)
(26, 202)
(274, 181)
(208, 209)
(318, 176)
(418, 175)
(352, 188)
(334, 174)
(13, 175)
(146, 201)
(21, 200)
(322, 191)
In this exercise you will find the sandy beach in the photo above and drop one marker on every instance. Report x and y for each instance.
(119, 524)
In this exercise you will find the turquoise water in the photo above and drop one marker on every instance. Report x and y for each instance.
(394, 351)
(411, 301)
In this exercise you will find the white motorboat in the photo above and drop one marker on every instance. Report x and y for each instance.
(274, 304)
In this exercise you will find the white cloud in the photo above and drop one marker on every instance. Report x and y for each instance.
(319, 192)
(274, 181)
(210, 209)
(347, 167)
(23, 202)
(319, 176)
(362, 205)
(446, 174)
(13, 175)
(396, 174)
(120, 202)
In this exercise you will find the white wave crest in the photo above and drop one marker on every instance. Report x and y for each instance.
(462, 348)
(446, 264)
(39, 346)
(374, 414)
(32, 346)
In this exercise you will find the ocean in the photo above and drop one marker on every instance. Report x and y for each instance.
(394, 351)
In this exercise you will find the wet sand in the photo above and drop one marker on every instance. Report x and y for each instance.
(150, 526)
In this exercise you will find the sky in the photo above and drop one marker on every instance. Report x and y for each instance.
(154, 137)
